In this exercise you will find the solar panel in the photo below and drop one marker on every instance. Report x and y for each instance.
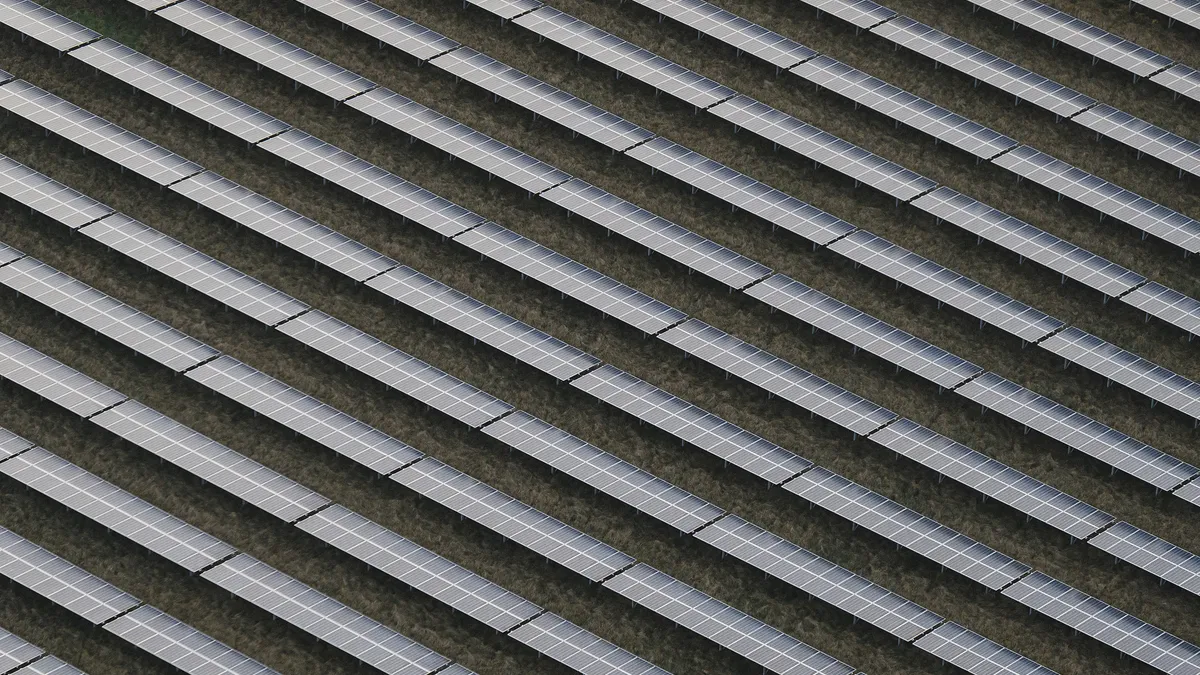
(8, 254)
(948, 286)
(266, 49)
(512, 519)
(976, 654)
(1077, 431)
(1167, 304)
(1062, 27)
(1105, 197)
(51, 665)
(44, 25)
(737, 189)
(733, 30)
(385, 26)
(1157, 556)
(907, 528)
(59, 581)
(214, 463)
(305, 415)
(507, 9)
(992, 478)
(624, 57)
(974, 62)
(491, 326)
(864, 331)
(1127, 368)
(823, 147)
(324, 617)
(1186, 11)
(104, 314)
(656, 233)
(1139, 134)
(1181, 79)
(420, 568)
(570, 278)
(48, 197)
(11, 444)
(580, 649)
(15, 652)
(1095, 618)
(194, 269)
(902, 106)
(158, 633)
(603, 471)
(813, 574)
(116, 509)
(1028, 241)
(543, 99)
(96, 134)
(778, 377)
(459, 140)
(860, 13)
(728, 627)
(1189, 492)
(54, 381)
(283, 225)
(179, 90)
(6, 76)
(371, 182)
(692, 424)
(406, 374)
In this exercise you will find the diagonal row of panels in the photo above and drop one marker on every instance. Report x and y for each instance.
(1183, 11)
(285, 324)
(900, 348)
(18, 657)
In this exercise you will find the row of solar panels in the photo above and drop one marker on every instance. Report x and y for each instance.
(382, 549)
(877, 514)
(1026, 85)
(18, 657)
(985, 143)
(1183, 11)
(989, 306)
(198, 552)
(942, 368)
(821, 484)
(1094, 41)
(101, 604)
(1071, 529)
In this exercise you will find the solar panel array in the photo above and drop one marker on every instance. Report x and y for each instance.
(15, 652)
(102, 604)
(1184, 11)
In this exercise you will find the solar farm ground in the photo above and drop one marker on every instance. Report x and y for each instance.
(477, 647)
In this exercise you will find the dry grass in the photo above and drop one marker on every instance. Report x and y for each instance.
(471, 452)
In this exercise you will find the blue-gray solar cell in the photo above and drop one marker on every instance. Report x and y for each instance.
(823, 147)
(44, 25)
(283, 225)
(49, 197)
(1077, 431)
(624, 57)
(484, 323)
(1153, 554)
(543, 99)
(864, 331)
(179, 90)
(407, 374)
(730, 628)
(656, 233)
(512, 519)
(604, 471)
(992, 478)
(385, 25)
(692, 424)
(907, 528)
(739, 190)
(305, 415)
(777, 376)
(370, 182)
